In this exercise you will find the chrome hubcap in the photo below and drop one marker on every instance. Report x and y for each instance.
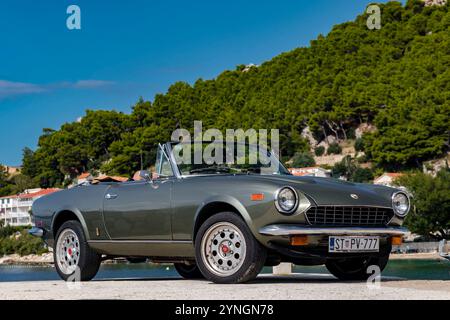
(67, 251)
(223, 249)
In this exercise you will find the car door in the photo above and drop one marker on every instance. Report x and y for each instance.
(141, 210)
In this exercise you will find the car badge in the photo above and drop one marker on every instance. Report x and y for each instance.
(354, 196)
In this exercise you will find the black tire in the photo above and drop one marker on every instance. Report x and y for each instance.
(255, 253)
(356, 268)
(88, 261)
(188, 271)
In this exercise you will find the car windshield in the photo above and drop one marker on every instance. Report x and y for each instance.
(202, 158)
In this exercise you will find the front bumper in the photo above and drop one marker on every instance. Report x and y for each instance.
(37, 232)
(315, 251)
(292, 229)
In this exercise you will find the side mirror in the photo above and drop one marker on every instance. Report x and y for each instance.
(146, 175)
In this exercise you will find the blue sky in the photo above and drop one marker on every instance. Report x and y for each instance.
(50, 75)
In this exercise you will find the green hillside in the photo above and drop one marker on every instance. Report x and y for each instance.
(397, 78)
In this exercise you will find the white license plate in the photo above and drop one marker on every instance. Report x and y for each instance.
(353, 244)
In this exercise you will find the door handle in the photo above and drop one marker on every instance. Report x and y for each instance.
(110, 196)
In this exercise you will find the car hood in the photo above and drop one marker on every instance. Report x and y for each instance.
(328, 191)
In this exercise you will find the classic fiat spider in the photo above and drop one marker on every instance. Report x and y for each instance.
(222, 222)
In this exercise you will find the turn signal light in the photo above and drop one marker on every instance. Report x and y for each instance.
(299, 240)
(397, 240)
(257, 197)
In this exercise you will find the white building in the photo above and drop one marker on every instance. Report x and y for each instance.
(311, 171)
(11, 170)
(15, 209)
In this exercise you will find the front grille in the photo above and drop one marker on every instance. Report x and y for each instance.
(349, 216)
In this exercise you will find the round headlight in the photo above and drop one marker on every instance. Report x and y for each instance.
(400, 204)
(286, 200)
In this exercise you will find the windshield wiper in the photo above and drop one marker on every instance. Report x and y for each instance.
(211, 169)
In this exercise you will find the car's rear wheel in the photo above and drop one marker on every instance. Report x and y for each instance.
(356, 268)
(74, 259)
(226, 251)
(188, 271)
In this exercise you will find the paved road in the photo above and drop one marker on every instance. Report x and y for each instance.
(297, 286)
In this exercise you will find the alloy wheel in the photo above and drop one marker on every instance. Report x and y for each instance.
(67, 251)
(223, 249)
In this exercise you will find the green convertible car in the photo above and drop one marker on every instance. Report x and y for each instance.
(222, 222)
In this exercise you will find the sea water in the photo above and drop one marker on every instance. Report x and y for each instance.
(412, 269)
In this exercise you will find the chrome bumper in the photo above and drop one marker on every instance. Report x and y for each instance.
(37, 232)
(290, 229)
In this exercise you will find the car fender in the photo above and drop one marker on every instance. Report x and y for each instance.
(77, 213)
(232, 201)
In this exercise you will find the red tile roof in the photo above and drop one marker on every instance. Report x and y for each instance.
(394, 174)
(301, 174)
(83, 175)
(40, 193)
(11, 196)
(305, 168)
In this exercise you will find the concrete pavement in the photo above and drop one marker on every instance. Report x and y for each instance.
(265, 287)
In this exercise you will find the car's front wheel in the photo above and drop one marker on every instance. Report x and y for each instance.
(74, 259)
(226, 251)
(356, 268)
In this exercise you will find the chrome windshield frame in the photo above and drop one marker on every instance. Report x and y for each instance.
(172, 160)
(179, 175)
